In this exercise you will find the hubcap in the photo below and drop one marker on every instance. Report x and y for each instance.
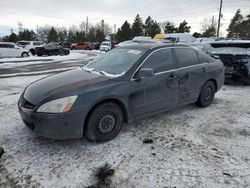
(208, 93)
(106, 123)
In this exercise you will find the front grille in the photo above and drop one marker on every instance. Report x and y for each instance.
(24, 103)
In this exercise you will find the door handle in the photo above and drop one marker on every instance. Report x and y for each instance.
(173, 76)
(204, 69)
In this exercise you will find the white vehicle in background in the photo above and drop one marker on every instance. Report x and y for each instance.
(9, 49)
(30, 45)
(105, 46)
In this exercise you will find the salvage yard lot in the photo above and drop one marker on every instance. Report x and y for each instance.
(191, 146)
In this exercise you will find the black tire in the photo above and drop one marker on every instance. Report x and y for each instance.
(32, 51)
(207, 94)
(66, 52)
(104, 123)
(25, 54)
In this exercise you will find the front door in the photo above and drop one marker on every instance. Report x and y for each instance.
(157, 92)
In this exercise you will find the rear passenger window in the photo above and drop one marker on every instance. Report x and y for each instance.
(160, 61)
(186, 57)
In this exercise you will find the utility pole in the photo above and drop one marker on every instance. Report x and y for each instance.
(103, 26)
(87, 25)
(37, 32)
(218, 29)
(213, 21)
(115, 29)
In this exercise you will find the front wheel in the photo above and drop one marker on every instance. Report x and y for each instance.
(207, 94)
(104, 123)
(25, 54)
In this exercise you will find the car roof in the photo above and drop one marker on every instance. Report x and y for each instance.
(7, 43)
(148, 46)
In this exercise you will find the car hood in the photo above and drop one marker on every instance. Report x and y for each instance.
(45, 87)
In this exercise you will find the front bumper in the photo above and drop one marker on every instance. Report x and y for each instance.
(59, 126)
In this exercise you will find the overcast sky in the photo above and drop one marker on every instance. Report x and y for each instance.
(33, 13)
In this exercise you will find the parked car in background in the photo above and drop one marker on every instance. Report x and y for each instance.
(30, 45)
(179, 38)
(127, 83)
(52, 48)
(235, 55)
(105, 46)
(9, 49)
(82, 46)
(67, 45)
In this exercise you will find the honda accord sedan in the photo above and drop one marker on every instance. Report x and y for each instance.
(125, 84)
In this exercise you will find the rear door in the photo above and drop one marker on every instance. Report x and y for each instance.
(160, 91)
(191, 74)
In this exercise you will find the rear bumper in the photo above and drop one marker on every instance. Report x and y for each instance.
(61, 126)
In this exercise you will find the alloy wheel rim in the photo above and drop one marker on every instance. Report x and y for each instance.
(106, 123)
(208, 94)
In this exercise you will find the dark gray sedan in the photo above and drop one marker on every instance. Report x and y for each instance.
(126, 83)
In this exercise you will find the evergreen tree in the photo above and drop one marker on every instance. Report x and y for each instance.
(235, 25)
(91, 35)
(196, 35)
(80, 36)
(209, 32)
(52, 36)
(11, 38)
(155, 29)
(170, 28)
(245, 28)
(27, 35)
(183, 27)
(125, 33)
(71, 37)
(99, 36)
(62, 36)
(151, 27)
(137, 27)
(209, 28)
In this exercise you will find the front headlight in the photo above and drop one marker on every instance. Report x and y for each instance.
(58, 105)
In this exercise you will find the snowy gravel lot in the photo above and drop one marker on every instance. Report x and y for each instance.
(191, 147)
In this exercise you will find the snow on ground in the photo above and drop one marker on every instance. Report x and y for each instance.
(32, 60)
(192, 147)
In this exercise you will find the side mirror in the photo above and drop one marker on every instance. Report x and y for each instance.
(144, 72)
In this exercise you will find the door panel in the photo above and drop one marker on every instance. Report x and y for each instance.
(154, 94)
(191, 81)
(191, 72)
(157, 92)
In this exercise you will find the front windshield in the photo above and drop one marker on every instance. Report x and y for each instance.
(105, 44)
(115, 62)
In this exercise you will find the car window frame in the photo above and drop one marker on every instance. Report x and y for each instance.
(138, 68)
(176, 60)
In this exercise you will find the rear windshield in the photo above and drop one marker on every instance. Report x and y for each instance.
(37, 43)
(105, 44)
(23, 43)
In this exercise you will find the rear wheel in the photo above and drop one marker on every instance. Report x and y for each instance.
(104, 123)
(207, 94)
(25, 54)
(66, 52)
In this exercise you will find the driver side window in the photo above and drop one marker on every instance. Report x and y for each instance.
(160, 61)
